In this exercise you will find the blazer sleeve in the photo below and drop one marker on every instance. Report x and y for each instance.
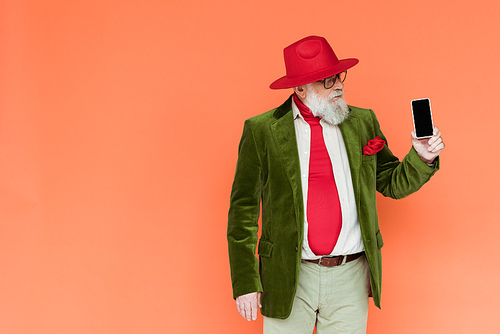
(397, 179)
(243, 217)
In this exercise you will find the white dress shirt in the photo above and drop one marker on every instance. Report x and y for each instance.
(349, 241)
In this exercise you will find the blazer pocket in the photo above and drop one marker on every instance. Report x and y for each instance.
(380, 241)
(265, 248)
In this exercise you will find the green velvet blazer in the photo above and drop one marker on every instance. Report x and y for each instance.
(268, 178)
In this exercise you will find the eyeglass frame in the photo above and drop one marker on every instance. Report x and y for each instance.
(336, 76)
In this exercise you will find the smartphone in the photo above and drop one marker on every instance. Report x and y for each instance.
(422, 118)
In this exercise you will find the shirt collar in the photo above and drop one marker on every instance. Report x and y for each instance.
(296, 111)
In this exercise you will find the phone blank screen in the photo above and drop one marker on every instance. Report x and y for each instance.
(422, 117)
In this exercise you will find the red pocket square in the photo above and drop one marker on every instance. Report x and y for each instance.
(373, 146)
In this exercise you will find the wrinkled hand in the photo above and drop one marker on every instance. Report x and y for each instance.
(428, 148)
(248, 305)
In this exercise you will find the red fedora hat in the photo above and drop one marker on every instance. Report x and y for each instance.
(308, 60)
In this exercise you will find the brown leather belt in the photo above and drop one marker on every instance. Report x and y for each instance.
(332, 261)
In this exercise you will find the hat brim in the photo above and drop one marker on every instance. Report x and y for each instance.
(287, 82)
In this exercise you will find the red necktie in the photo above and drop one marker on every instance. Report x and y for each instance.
(324, 215)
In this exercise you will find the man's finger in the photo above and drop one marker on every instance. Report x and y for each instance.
(254, 311)
(437, 143)
(433, 139)
(436, 136)
(240, 308)
(438, 148)
(248, 311)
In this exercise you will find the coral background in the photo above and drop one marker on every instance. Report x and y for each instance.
(119, 126)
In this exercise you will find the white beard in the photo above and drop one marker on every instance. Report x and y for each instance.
(332, 112)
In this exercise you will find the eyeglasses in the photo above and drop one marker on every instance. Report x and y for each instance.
(330, 81)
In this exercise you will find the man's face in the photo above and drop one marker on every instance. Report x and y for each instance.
(326, 103)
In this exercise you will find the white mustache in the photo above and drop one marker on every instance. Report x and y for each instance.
(334, 94)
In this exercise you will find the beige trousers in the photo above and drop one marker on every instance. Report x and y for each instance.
(335, 299)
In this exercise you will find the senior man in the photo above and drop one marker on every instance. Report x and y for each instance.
(314, 164)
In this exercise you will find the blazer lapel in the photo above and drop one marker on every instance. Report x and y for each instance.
(283, 132)
(350, 133)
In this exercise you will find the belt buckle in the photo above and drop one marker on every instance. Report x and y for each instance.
(340, 260)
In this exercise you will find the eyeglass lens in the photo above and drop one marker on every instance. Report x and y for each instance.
(330, 82)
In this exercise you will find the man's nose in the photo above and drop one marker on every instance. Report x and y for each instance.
(339, 85)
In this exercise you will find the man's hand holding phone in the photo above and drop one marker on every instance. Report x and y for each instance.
(428, 148)
(426, 138)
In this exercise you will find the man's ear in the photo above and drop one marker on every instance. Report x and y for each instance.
(301, 92)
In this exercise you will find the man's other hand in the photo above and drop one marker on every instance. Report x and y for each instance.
(248, 305)
(428, 148)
